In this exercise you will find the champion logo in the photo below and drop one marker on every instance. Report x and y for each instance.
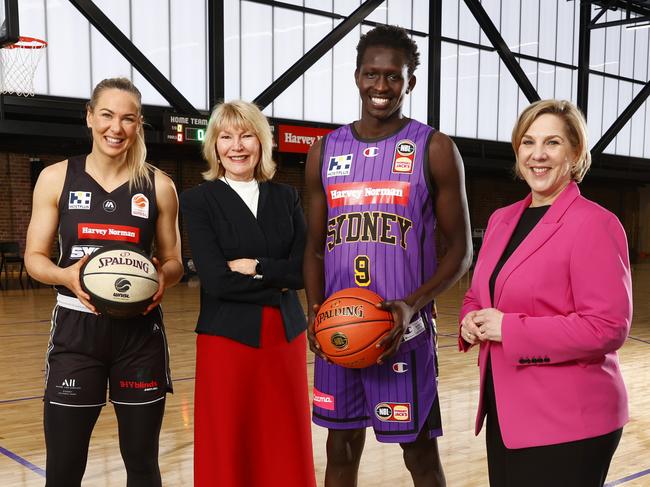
(400, 367)
(371, 151)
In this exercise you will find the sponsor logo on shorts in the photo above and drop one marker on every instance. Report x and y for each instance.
(140, 206)
(400, 367)
(404, 157)
(393, 412)
(156, 328)
(339, 165)
(371, 151)
(97, 231)
(368, 193)
(79, 200)
(139, 384)
(78, 251)
(109, 206)
(68, 387)
(323, 401)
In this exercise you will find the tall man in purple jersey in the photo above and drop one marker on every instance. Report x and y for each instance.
(377, 189)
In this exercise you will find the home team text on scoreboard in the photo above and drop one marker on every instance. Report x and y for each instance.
(180, 128)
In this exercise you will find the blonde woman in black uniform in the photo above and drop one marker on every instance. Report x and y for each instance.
(80, 200)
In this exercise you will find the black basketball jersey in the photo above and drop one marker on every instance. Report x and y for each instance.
(90, 217)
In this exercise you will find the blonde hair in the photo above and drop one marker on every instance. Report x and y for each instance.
(139, 170)
(240, 115)
(576, 129)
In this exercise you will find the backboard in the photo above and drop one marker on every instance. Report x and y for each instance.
(9, 30)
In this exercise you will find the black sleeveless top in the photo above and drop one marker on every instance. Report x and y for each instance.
(90, 217)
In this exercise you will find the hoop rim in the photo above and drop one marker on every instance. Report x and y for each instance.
(40, 43)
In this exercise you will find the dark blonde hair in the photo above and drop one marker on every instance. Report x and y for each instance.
(240, 115)
(575, 125)
(136, 155)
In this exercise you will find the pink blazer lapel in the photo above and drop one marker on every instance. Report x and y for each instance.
(543, 231)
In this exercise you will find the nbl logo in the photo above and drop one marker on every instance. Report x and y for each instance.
(122, 285)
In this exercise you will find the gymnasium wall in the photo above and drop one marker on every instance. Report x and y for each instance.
(485, 191)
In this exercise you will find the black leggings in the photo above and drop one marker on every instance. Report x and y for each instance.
(67, 435)
(582, 463)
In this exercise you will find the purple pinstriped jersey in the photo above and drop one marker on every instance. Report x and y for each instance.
(381, 222)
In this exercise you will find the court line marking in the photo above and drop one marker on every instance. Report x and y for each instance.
(22, 461)
(628, 478)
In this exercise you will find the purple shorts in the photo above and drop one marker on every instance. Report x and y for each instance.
(398, 398)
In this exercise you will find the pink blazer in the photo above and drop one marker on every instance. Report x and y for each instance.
(567, 297)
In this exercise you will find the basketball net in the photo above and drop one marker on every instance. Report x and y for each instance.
(18, 63)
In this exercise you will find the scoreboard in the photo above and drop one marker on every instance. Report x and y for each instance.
(181, 129)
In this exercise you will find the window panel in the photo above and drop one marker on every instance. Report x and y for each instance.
(493, 9)
(345, 7)
(418, 102)
(637, 132)
(68, 50)
(612, 41)
(566, 24)
(256, 51)
(610, 104)
(450, 18)
(112, 62)
(318, 78)
(380, 14)
(488, 99)
(627, 52)
(189, 71)
(623, 136)
(510, 23)
(546, 81)
(448, 62)
(508, 97)
(344, 90)
(467, 104)
(150, 34)
(288, 48)
(468, 28)
(32, 24)
(529, 27)
(547, 31)
(530, 69)
(399, 13)
(231, 51)
(596, 50)
(641, 54)
(646, 140)
(595, 112)
(563, 84)
(421, 15)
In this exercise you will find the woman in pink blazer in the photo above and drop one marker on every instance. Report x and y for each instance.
(549, 305)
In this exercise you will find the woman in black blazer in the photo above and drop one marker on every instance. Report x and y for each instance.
(247, 234)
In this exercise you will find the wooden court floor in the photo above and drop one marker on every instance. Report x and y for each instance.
(24, 331)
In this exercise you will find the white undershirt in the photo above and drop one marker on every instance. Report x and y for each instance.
(248, 191)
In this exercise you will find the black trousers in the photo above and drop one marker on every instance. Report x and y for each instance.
(582, 463)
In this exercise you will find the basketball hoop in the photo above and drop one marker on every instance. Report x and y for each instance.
(18, 64)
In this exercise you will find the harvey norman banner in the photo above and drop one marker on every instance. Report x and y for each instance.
(293, 138)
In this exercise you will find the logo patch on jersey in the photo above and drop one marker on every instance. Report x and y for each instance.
(404, 157)
(368, 193)
(98, 231)
(78, 251)
(393, 412)
(339, 165)
(323, 401)
(140, 206)
(371, 151)
(109, 206)
(79, 200)
(400, 367)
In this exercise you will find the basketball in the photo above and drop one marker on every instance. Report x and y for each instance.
(120, 280)
(348, 327)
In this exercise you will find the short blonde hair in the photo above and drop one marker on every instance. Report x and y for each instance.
(240, 115)
(576, 129)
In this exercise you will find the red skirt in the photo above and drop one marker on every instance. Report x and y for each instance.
(251, 411)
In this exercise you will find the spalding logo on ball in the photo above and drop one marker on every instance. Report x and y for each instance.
(120, 279)
(348, 327)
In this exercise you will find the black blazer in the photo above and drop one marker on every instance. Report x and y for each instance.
(222, 228)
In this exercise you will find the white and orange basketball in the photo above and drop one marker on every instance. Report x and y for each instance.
(120, 280)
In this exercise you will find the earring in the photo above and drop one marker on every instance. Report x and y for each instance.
(407, 91)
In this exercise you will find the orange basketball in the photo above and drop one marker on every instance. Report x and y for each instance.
(348, 327)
